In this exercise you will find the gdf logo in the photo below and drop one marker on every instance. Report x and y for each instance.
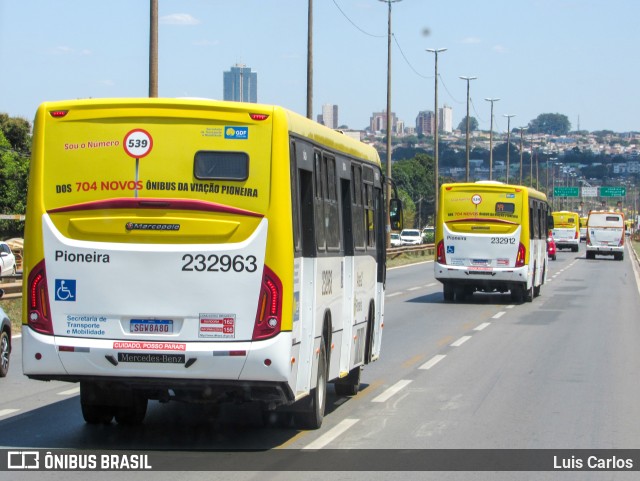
(476, 199)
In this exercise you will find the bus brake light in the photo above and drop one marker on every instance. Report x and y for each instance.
(522, 254)
(259, 116)
(441, 259)
(39, 314)
(269, 314)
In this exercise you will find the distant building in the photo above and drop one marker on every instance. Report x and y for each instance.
(329, 116)
(425, 122)
(445, 119)
(378, 122)
(240, 84)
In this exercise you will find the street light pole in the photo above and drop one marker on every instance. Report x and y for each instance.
(491, 140)
(508, 116)
(310, 60)
(468, 79)
(522, 129)
(389, 129)
(436, 51)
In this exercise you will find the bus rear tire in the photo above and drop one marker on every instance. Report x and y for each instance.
(312, 410)
(448, 292)
(133, 413)
(349, 385)
(92, 411)
(517, 294)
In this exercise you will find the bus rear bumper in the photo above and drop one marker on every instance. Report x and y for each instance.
(483, 279)
(250, 370)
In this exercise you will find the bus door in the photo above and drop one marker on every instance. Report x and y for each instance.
(304, 264)
(344, 173)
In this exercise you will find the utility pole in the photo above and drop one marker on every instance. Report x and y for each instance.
(436, 51)
(491, 140)
(508, 116)
(522, 129)
(153, 49)
(389, 129)
(310, 61)
(468, 79)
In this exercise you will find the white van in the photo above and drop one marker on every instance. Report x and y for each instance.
(605, 234)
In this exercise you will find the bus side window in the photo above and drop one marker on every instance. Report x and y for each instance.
(332, 221)
(319, 168)
(358, 208)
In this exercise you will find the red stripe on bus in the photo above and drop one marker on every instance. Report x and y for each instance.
(141, 203)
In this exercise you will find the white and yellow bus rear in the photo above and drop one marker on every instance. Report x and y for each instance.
(566, 230)
(491, 237)
(201, 251)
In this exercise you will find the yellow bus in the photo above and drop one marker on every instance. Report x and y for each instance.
(583, 228)
(491, 237)
(566, 230)
(201, 251)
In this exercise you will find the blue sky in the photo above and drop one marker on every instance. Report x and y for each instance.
(574, 57)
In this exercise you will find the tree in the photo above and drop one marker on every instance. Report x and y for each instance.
(14, 171)
(552, 124)
(473, 124)
(415, 177)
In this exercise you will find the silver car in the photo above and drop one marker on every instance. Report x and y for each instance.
(7, 260)
(5, 342)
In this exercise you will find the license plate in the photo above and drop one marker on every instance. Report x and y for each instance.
(151, 326)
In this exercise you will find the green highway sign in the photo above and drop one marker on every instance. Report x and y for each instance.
(613, 191)
(566, 191)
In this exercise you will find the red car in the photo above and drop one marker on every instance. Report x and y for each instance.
(551, 248)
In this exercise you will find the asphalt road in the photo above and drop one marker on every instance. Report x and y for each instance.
(557, 373)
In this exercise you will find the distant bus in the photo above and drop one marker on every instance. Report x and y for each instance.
(200, 251)
(583, 228)
(566, 230)
(491, 237)
(605, 234)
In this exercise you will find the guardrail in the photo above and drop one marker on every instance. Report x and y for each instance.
(422, 249)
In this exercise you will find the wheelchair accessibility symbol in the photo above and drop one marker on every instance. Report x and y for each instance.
(451, 249)
(66, 290)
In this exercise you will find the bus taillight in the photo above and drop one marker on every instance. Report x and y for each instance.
(269, 314)
(39, 315)
(522, 255)
(440, 253)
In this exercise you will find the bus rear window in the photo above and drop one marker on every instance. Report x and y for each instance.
(505, 208)
(210, 165)
(613, 218)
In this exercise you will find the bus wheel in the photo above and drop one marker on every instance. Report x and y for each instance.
(312, 413)
(92, 412)
(448, 292)
(349, 385)
(528, 293)
(517, 294)
(133, 412)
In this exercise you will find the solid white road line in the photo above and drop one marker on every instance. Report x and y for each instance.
(332, 434)
(433, 361)
(6, 412)
(69, 392)
(461, 341)
(385, 396)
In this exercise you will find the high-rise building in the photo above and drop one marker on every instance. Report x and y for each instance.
(445, 119)
(329, 116)
(425, 122)
(378, 122)
(240, 84)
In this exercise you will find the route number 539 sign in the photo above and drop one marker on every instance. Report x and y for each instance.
(138, 143)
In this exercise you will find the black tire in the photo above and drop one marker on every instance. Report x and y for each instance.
(575, 248)
(5, 353)
(517, 295)
(92, 411)
(554, 257)
(312, 412)
(349, 385)
(448, 292)
(132, 414)
(528, 293)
